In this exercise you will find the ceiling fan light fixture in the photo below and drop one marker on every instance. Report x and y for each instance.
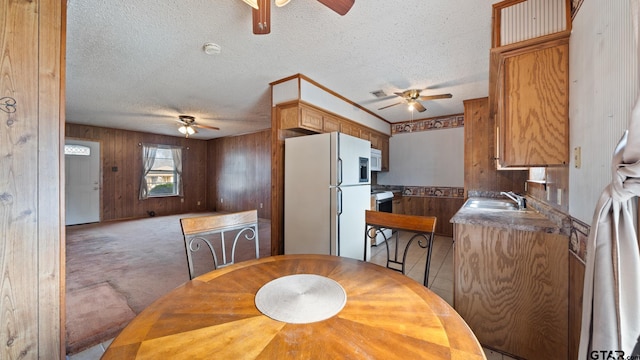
(187, 130)
(281, 3)
(252, 3)
(412, 105)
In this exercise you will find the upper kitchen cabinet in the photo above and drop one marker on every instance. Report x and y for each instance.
(385, 153)
(298, 116)
(529, 84)
(533, 106)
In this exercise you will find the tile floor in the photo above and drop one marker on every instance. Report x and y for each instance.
(440, 282)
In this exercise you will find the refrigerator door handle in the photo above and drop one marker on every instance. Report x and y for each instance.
(339, 171)
(339, 203)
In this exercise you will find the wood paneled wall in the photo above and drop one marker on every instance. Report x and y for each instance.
(240, 173)
(480, 171)
(440, 207)
(32, 36)
(120, 149)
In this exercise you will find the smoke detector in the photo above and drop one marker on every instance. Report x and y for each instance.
(211, 48)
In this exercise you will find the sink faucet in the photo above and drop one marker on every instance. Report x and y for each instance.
(518, 199)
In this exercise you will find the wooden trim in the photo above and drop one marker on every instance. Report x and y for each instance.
(496, 21)
(49, 226)
(528, 45)
(301, 77)
(61, 135)
(569, 15)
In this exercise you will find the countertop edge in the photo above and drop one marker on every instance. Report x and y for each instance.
(527, 221)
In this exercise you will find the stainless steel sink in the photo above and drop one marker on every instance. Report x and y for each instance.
(495, 204)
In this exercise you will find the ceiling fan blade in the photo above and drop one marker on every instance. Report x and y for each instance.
(419, 107)
(206, 127)
(434, 97)
(340, 6)
(388, 106)
(261, 18)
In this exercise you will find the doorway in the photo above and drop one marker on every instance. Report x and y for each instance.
(82, 181)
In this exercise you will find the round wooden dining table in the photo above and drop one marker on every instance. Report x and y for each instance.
(214, 316)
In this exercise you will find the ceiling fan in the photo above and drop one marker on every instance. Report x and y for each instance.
(262, 11)
(413, 98)
(189, 124)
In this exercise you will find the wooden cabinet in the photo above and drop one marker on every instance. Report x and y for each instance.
(397, 204)
(311, 119)
(365, 134)
(350, 129)
(330, 123)
(385, 153)
(299, 116)
(511, 287)
(480, 173)
(376, 140)
(532, 97)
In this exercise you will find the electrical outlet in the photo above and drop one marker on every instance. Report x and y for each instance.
(577, 157)
(260, 205)
(198, 203)
(221, 200)
(181, 200)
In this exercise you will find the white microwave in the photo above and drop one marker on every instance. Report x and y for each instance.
(376, 160)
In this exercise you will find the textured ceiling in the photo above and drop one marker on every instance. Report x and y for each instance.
(138, 64)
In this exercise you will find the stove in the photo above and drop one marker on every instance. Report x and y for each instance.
(382, 201)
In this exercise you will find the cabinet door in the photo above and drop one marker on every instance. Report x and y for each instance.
(365, 134)
(310, 119)
(330, 124)
(350, 129)
(511, 288)
(534, 120)
(375, 141)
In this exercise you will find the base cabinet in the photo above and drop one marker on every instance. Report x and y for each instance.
(511, 287)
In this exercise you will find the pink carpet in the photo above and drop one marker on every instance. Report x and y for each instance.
(116, 269)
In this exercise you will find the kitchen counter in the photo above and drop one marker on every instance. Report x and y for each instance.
(527, 220)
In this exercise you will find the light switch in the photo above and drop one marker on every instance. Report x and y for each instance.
(577, 157)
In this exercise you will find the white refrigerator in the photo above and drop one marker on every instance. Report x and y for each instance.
(327, 190)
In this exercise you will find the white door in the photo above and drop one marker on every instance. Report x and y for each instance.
(82, 182)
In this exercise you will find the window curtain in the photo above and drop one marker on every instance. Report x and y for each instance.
(611, 296)
(148, 158)
(177, 163)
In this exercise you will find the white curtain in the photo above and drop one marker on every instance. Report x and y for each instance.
(148, 158)
(177, 163)
(611, 297)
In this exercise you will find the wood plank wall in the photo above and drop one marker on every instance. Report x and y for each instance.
(121, 149)
(32, 38)
(240, 173)
(440, 207)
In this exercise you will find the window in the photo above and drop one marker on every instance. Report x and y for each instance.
(77, 150)
(162, 171)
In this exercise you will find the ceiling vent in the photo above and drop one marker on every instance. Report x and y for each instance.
(379, 93)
